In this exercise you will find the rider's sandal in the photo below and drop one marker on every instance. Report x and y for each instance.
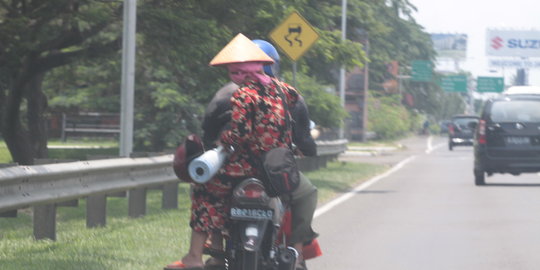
(179, 265)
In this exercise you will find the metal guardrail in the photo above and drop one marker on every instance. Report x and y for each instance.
(331, 147)
(43, 187)
(27, 185)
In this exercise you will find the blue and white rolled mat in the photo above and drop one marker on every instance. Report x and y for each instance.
(203, 168)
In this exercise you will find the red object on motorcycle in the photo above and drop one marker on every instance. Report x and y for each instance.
(253, 191)
(309, 251)
(312, 250)
(191, 148)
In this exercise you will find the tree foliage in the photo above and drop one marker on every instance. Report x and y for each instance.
(66, 53)
(38, 36)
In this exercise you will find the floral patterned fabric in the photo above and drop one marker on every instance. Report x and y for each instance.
(257, 122)
(210, 204)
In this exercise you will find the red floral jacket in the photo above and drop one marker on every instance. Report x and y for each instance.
(257, 122)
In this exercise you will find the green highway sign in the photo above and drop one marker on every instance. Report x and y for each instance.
(421, 71)
(454, 83)
(490, 84)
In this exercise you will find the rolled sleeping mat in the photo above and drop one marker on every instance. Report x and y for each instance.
(203, 168)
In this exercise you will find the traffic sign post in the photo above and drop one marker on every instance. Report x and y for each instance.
(421, 71)
(454, 83)
(490, 84)
(294, 36)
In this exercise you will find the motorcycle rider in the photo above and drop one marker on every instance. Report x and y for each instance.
(304, 198)
(209, 209)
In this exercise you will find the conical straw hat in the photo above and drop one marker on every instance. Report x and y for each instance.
(240, 49)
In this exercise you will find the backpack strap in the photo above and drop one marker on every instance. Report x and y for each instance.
(285, 104)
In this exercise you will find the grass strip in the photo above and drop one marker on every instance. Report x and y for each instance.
(149, 242)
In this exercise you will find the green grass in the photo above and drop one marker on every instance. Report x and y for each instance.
(5, 156)
(149, 242)
(102, 148)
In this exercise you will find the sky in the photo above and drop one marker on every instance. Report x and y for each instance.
(474, 17)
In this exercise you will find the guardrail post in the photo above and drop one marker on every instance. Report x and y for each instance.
(137, 202)
(45, 221)
(96, 210)
(169, 199)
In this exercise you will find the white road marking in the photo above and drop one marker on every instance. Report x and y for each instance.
(327, 207)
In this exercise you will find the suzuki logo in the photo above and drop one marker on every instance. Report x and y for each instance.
(496, 43)
(519, 126)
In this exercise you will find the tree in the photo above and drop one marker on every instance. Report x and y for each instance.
(68, 51)
(37, 37)
(176, 40)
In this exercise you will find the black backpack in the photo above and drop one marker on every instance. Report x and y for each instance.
(280, 172)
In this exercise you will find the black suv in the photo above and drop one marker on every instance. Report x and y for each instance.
(507, 138)
(461, 131)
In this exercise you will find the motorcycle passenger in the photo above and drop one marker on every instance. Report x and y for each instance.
(256, 121)
(304, 198)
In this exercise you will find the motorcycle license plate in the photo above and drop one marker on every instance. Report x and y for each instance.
(251, 213)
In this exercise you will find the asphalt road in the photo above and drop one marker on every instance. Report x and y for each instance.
(426, 213)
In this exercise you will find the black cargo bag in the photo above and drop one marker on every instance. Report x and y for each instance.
(280, 172)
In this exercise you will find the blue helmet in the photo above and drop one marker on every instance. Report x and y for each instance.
(273, 69)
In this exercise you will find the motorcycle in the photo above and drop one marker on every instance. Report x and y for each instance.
(256, 221)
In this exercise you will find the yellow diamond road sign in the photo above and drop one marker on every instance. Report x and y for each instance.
(294, 36)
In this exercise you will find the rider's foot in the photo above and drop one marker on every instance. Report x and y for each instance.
(179, 265)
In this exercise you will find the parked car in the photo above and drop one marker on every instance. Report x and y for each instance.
(507, 139)
(461, 131)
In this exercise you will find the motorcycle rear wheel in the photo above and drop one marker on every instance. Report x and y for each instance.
(250, 260)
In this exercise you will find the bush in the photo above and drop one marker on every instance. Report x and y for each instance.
(388, 118)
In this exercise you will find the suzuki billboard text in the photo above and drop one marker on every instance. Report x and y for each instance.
(513, 43)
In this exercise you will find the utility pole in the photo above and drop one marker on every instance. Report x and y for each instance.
(128, 78)
(342, 69)
(366, 88)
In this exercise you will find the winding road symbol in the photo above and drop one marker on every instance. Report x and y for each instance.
(295, 30)
(294, 36)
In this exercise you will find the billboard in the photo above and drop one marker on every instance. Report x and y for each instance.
(450, 45)
(513, 43)
(514, 63)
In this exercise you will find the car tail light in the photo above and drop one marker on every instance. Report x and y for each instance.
(451, 129)
(482, 132)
